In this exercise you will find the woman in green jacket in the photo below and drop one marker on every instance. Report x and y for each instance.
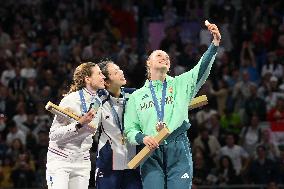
(163, 101)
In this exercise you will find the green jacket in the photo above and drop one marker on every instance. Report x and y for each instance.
(140, 116)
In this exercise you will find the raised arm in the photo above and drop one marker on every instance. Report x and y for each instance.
(211, 51)
(190, 82)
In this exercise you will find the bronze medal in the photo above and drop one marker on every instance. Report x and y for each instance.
(160, 125)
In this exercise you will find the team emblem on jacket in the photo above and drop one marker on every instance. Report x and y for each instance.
(171, 90)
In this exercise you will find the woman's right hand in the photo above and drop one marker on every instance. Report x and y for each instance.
(87, 118)
(150, 142)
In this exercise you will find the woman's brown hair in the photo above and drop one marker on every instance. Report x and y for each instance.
(82, 71)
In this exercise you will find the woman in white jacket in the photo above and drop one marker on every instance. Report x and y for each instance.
(68, 159)
(114, 152)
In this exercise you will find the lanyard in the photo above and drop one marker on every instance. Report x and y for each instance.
(160, 112)
(83, 102)
(115, 114)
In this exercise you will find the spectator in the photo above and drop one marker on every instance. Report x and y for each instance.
(238, 155)
(21, 116)
(231, 122)
(214, 126)
(241, 91)
(270, 145)
(30, 124)
(280, 47)
(232, 79)
(226, 172)
(14, 133)
(170, 14)
(255, 105)
(272, 66)
(272, 185)
(272, 93)
(209, 145)
(264, 87)
(39, 151)
(7, 103)
(8, 74)
(3, 147)
(276, 114)
(204, 115)
(280, 164)
(23, 172)
(225, 30)
(5, 173)
(187, 57)
(248, 63)
(40, 175)
(28, 71)
(276, 118)
(221, 96)
(17, 84)
(262, 169)
(4, 38)
(172, 37)
(251, 135)
(201, 171)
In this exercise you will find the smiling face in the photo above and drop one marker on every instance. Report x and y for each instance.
(96, 80)
(159, 61)
(115, 77)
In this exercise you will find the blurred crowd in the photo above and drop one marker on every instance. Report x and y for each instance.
(237, 138)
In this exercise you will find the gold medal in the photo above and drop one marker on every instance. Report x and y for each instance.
(123, 140)
(160, 125)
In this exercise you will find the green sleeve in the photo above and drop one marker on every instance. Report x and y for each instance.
(190, 82)
(132, 128)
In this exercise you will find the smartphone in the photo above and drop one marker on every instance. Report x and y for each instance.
(94, 105)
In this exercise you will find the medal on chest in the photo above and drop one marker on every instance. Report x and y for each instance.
(159, 109)
(160, 125)
(123, 140)
(116, 118)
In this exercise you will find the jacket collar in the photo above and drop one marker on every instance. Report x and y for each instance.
(157, 82)
(89, 92)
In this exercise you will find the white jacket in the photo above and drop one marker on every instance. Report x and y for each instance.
(64, 141)
(121, 154)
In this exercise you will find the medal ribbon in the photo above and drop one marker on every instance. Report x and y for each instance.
(83, 102)
(160, 112)
(115, 114)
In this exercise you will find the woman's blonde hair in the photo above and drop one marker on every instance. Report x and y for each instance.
(81, 72)
(148, 74)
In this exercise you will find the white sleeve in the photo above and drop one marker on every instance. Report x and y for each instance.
(59, 131)
(61, 127)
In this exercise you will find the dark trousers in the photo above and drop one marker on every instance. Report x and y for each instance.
(118, 179)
